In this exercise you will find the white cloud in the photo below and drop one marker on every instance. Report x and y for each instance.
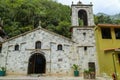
(105, 6)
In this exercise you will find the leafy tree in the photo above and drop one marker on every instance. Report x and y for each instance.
(102, 19)
(117, 21)
(64, 28)
(22, 15)
(106, 19)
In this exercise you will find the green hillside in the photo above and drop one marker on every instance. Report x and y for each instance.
(105, 18)
(23, 15)
(20, 16)
(116, 16)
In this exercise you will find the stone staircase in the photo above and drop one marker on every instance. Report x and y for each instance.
(43, 77)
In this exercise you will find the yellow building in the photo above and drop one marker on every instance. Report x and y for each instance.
(108, 48)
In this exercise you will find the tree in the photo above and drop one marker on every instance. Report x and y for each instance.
(23, 15)
(64, 29)
(102, 19)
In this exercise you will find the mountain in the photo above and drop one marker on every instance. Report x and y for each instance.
(114, 17)
(99, 14)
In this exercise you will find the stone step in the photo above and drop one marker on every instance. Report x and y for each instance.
(42, 77)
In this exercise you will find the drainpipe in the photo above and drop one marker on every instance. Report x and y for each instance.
(114, 65)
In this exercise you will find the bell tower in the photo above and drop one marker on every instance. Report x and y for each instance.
(83, 34)
(82, 14)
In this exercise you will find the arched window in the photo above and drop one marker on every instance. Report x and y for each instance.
(38, 45)
(16, 47)
(82, 14)
(59, 47)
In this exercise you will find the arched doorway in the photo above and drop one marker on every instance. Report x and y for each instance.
(82, 14)
(37, 64)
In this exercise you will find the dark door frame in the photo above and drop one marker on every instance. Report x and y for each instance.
(37, 64)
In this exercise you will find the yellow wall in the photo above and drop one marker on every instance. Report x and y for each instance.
(105, 58)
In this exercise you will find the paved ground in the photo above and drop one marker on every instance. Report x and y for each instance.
(16, 77)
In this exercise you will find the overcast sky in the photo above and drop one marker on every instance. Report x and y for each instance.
(105, 6)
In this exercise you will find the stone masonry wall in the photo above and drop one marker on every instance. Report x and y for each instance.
(57, 61)
(85, 47)
(89, 11)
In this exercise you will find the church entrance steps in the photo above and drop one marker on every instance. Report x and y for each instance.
(40, 77)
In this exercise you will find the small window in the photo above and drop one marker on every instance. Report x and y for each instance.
(60, 59)
(38, 45)
(117, 33)
(85, 48)
(106, 34)
(16, 47)
(84, 34)
(59, 47)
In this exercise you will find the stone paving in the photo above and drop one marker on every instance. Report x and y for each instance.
(16, 77)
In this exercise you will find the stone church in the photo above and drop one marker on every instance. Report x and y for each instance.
(44, 52)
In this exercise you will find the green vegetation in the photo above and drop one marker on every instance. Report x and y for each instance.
(23, 15)
(104, 18)
(2, 69)
(75, 67)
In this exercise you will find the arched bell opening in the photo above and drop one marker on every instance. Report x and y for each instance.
(82, 18)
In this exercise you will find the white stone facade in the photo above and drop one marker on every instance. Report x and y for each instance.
(16, 62)
(57, 61)
(85, 46)
(84, 35)
(79, 50)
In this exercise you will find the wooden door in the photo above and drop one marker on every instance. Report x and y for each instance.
(37, 64)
